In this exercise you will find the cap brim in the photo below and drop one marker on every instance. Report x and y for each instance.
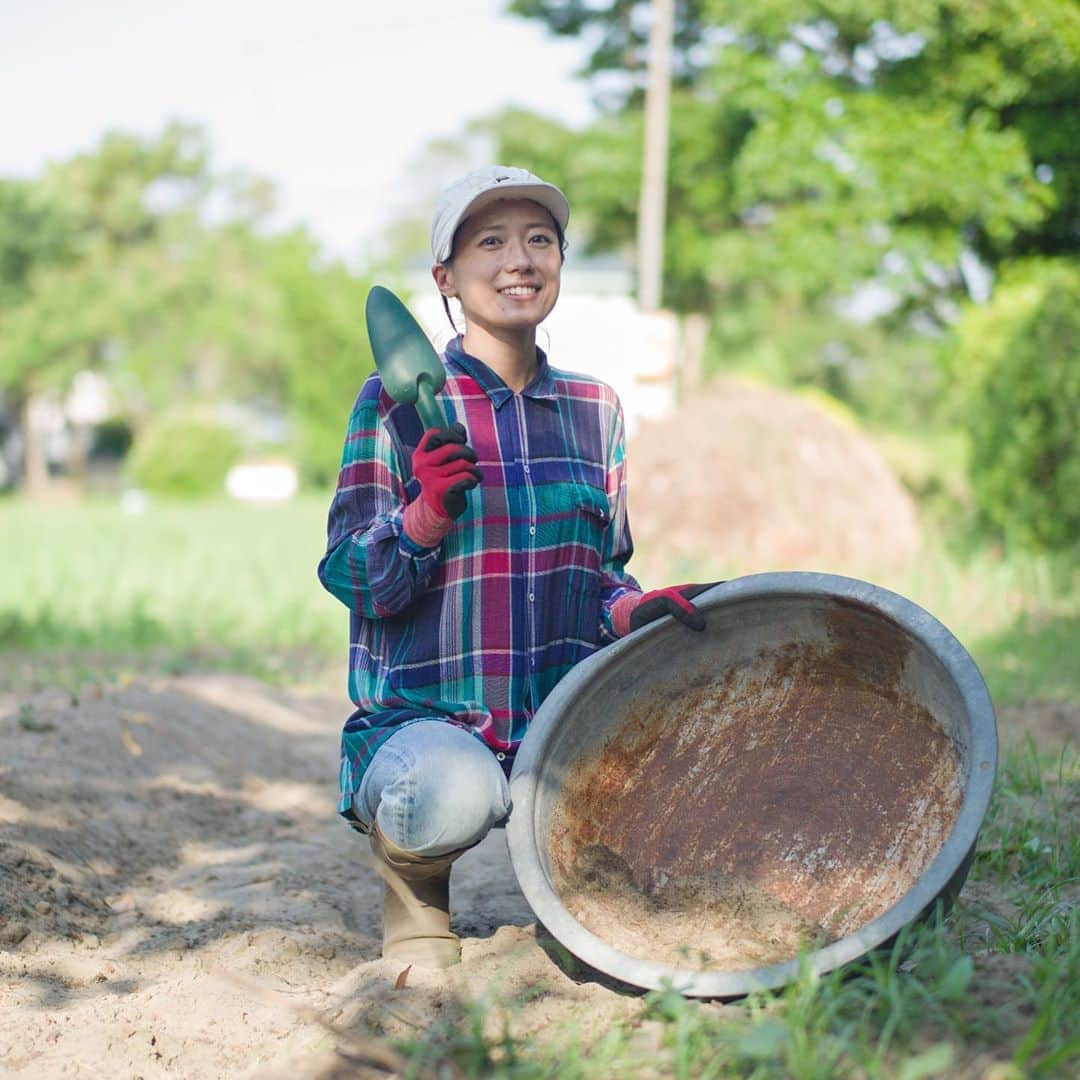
(547, 195)
(550, 198)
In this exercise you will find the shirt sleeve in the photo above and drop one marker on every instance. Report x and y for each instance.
(618, 545)
(371, 565)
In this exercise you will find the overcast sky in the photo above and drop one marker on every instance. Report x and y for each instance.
(331, 99)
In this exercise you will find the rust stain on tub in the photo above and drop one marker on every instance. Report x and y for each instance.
(810, 775)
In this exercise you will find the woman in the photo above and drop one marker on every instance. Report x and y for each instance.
(480, 561)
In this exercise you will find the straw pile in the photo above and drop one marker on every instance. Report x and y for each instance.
(745, 478)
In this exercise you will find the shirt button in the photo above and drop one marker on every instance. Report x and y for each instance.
(532, 530)
(526, 468)
(500, 756)
(531, 598)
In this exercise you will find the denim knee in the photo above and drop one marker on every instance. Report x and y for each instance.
(434, 788)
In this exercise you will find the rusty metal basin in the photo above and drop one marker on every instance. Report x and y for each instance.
(805, 777)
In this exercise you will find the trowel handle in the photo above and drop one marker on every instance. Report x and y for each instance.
(431, 414)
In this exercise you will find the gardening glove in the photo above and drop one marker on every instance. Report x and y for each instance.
(633, 611)
(445, 465)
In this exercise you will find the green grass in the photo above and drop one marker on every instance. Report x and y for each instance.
(86, 587)
(212, 584)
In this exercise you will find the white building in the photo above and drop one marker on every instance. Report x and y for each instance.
(596, 328)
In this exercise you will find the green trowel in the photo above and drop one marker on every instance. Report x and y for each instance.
(409, 367)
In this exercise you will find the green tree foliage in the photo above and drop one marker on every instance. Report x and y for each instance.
(825, 154)
(999, 70)
(136, 260)
(329, 354)
(99, 269)
(1017, 363)
(147, 289)
(35, 231)
(621, 33)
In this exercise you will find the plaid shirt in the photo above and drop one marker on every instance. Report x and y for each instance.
(479, 629)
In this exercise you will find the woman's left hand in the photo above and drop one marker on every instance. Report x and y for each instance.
(673, 600)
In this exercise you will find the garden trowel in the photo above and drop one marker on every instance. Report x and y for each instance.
(409, 367)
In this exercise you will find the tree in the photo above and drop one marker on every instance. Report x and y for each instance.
(826, 154)
(328, 353)
(112, 261)
(620, 28)
(93, 253)
(36, 233)
(1018, 380)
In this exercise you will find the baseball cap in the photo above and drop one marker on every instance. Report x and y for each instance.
(482, 186)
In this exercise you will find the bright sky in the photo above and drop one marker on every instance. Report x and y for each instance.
(333, 100)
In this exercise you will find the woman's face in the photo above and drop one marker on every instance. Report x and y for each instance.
(506, 266)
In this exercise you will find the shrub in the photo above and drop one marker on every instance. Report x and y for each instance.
(183, 456)
(1024, 410)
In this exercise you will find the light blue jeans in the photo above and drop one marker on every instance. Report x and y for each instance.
(433, 788)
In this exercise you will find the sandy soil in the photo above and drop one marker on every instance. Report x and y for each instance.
(699, 922)
(178, 898)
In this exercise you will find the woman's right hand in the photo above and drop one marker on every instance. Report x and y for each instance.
(445, 465)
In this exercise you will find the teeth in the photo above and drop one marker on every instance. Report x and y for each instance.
(520, 290)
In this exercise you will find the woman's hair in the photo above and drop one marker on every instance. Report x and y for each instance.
(559, 235)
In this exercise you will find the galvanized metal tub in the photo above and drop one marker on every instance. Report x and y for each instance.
(809, 774)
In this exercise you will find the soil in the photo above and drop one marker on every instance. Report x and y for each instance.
(178, 897)
(697, 922)
(1049, 724)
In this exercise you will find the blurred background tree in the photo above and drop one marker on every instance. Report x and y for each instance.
(329, 354)
(1017, 365)
(861, 197)
(136, 261)
(845, 179)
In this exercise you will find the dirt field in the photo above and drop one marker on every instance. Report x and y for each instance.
(178, 898)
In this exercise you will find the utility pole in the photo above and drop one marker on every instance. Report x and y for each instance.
(653, 205)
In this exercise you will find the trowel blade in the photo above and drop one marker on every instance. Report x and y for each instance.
(409, 367)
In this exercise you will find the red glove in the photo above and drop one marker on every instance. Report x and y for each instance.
(445, 465)
(631, 612)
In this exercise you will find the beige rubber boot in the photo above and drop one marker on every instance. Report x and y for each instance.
(416, 905)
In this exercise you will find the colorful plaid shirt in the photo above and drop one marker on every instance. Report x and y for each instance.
(478, 630)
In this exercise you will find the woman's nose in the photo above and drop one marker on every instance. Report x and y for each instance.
(518, 255)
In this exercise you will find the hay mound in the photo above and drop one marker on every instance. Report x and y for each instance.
(746, 478)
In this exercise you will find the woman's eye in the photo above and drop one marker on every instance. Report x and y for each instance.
(489, 241)
(541, 238)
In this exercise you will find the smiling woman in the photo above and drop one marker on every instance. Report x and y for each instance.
(499, 235)
(480, 561)
(505, 269)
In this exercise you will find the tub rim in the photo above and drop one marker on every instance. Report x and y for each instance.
(941, 878)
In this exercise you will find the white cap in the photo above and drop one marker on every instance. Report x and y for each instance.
(482, 186)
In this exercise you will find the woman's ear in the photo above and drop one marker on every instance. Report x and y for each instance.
(444, 279)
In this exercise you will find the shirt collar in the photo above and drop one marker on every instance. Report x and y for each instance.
(542, 386)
